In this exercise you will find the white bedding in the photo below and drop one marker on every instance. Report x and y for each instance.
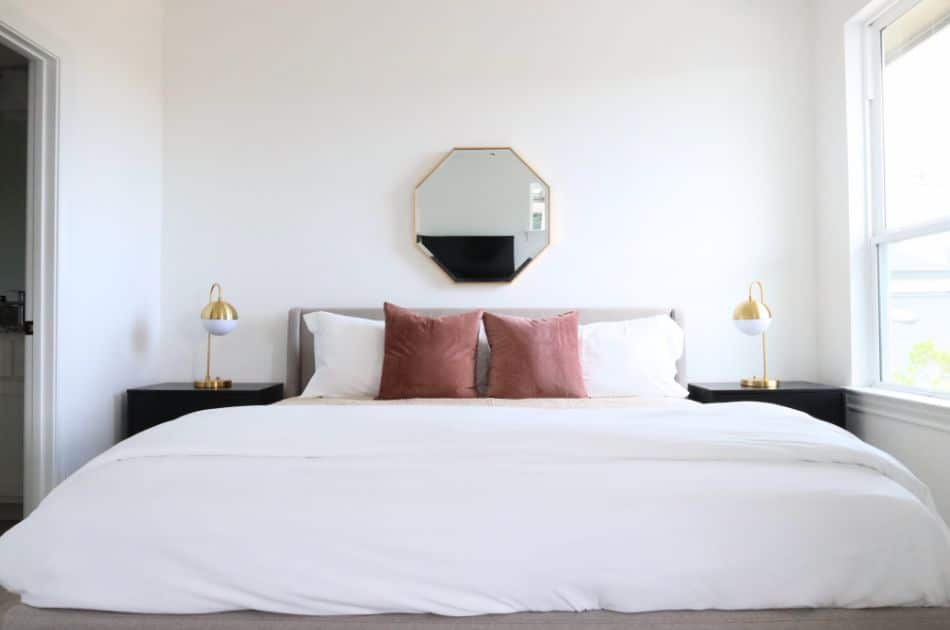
(611, 402)
(462, 510)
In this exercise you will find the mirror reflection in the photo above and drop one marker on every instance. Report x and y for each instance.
(482, 214)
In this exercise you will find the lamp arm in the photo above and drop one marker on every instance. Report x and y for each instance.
(753, 284)
(218, 286)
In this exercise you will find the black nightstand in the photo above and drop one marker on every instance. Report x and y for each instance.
(821, 401)
(156, 404)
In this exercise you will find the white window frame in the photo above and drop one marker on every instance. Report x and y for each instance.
(878, 233)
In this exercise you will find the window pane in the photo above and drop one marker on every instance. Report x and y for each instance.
(915, 348)
(916, 122)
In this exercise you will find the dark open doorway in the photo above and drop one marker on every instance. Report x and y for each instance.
(14, 121)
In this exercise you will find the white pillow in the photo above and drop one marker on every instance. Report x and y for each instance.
(635, 357)
(348, 355)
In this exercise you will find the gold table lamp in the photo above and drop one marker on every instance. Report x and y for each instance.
(753, 317)
(218, 318)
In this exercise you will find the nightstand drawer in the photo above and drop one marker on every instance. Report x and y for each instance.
(155, 404)
(821, 401)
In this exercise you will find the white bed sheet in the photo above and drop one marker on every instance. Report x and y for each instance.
(332, 509)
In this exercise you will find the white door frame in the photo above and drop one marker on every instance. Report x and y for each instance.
(40, 470)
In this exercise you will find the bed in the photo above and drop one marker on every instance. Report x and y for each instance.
(490, 514)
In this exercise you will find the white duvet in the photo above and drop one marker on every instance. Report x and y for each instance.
(335, 510)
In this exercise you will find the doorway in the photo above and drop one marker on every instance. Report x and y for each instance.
(28, 271)
(14, 134)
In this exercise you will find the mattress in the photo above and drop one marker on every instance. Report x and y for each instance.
(345, 510)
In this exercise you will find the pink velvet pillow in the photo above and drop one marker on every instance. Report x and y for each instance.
(534, 358)
(426, 357)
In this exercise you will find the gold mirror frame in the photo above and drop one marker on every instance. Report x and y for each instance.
(415, 214)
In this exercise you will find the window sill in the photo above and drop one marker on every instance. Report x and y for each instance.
(927, 411)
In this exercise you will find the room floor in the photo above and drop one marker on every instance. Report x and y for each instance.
(5, 597)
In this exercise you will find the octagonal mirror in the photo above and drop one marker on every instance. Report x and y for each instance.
(482, 214)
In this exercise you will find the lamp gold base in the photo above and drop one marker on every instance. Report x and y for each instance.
(213, 383)
(759, 383)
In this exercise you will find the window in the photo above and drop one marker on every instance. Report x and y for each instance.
(909, 176)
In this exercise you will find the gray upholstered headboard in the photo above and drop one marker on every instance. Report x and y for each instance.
(300, 340)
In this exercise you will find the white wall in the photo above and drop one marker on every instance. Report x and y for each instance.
(678, 138)
(833, 226)
(109, 205)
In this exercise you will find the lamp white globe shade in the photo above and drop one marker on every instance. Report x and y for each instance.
(753, 326)
(219, 326)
